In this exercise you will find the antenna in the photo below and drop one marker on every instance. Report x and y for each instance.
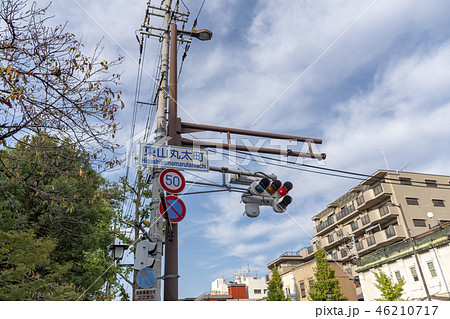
(384, 155)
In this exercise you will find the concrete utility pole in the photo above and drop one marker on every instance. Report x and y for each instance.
(171, 258)
(156, 221)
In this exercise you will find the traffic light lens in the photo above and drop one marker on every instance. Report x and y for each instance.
(276, 184)
(263, 183)
(282, 191)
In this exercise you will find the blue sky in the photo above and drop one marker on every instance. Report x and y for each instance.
(365, 76)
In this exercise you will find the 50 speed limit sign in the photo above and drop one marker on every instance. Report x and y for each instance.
(172, 181)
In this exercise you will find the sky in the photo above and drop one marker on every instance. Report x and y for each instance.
(369, 78)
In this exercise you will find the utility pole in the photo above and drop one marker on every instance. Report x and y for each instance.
(171, 258)
(156, 222)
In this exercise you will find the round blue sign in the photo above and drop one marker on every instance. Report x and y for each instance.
(175, 208)
(146, 278)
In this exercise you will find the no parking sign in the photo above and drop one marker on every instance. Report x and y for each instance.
(175, 208)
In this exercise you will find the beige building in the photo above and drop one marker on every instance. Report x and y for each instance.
(369, 217)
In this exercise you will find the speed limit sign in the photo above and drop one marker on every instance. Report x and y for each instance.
(172, 181)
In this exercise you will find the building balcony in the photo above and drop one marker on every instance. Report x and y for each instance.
(375, 196)
(324, 226)
(380, 239)
(386, 213)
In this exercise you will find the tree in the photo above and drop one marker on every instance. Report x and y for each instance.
(275, 288)
(26, 272)
(325, 284)
(49, 87)
(390, 291)
(76, 212)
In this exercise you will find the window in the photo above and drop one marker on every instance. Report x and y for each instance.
(330, 219)
(398, 276)
(302, 290)
(310, 282)
(412, 201)
(377, 189)
(339, 233)
(443, 221)
(354, 225)
(390, 232)
(310, 249)
(431, 268)
(330, 238)
(384, 210)
(430, 183)
(360, 200)
(438, 202)
(419, 222)
(359, 245)
(334, 255)
(414, 273)
(351, 208)
(371, 240)
(365, 220)
(257, 291)
(343, 253)
(405, 181)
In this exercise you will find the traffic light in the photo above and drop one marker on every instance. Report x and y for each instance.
(143, 255)
(280, 205)
(265, 192)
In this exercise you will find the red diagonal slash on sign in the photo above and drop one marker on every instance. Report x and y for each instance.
(175, 205)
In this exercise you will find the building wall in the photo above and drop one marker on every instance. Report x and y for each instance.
(219, 287)
(304, 276)
(256, 287)
(289, 286)
(238, 291)
(438, 282)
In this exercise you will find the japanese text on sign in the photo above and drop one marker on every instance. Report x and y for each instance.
(152, 155)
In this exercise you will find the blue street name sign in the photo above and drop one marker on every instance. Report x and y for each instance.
(167, 156)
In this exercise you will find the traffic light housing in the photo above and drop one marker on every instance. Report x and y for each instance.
(266, 192)
(143, 254)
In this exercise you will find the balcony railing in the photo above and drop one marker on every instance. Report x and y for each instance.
(390, 232)
(323, 225)
(371, 241)
(365, 220)
(359, 245)
(347, 210)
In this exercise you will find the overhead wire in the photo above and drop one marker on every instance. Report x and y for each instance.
(330, 171)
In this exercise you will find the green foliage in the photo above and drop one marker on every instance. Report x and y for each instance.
(26, 271)
(75, 209)
(390, 291)
(275, 288)
(325, 282)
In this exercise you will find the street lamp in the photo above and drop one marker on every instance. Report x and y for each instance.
(408, 231)
(118, 250)
(202, 34)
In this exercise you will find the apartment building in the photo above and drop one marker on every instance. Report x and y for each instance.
(372, 216)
